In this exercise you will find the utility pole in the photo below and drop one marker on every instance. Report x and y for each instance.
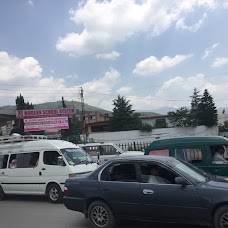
(83, 116)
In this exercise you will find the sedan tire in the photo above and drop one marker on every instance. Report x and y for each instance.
(221, 217)
(100, 215)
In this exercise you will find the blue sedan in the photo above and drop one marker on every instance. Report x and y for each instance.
(153, 188)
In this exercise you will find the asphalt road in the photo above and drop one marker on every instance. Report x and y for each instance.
(36, 212)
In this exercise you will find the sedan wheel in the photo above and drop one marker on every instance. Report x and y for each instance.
(221, 217)
(100, 215)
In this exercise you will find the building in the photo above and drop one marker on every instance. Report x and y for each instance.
(156, 120)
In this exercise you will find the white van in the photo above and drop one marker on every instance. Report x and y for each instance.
(103, 152)
(34, 165)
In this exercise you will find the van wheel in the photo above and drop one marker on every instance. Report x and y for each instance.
(100, 215)
(54, 193)
(221, 217)
(2, 194)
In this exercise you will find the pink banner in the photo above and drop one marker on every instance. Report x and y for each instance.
(23, 114)
(49, 123)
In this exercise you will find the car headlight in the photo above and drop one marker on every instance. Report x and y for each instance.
(72, 174)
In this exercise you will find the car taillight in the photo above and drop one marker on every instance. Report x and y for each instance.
(66, 191)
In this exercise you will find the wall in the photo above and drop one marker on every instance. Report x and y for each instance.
(138, 136)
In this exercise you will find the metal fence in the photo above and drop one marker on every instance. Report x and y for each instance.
(135, 146)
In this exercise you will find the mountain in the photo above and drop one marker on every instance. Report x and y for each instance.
(58, 104)
(161, 111)
(89, 108)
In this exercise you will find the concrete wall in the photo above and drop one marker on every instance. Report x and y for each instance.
(138, 136)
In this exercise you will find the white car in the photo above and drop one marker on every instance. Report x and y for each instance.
(103, 152)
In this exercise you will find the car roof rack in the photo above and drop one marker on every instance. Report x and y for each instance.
(20, 138)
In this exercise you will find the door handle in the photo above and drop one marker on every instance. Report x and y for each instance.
(106, 159)
(43, 168)
(148, 191)
(3, 173)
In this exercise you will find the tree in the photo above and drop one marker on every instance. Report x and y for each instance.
(208, 114)
(194, 112)
(146, 127)
(180, 117)
(22, 105)
(223, 127)
(123, 117)
(63, 103)
(75, 126)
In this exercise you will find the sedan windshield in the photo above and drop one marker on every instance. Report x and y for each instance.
(189, 171)
(76, 156)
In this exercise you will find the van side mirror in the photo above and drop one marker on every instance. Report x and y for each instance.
(181, 181)
(60, 161)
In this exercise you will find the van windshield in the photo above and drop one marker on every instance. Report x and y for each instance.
(76, 156)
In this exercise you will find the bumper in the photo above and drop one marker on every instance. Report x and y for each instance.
(74, 204)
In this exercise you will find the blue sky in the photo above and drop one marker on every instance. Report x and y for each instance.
(151, 52)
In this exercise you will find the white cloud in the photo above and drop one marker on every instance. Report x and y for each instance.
(218, 62)
(71, 77)
(112, 56)
(124, 90)
(31, 3)
(225, 4)
(152, 65)
(176, 93)
(193, 28)
(102, 29)
(12, 67)
(209, 51)
(24, 76)
(99, 91)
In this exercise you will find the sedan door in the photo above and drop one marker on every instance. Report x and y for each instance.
(120, 188)
(170, 201)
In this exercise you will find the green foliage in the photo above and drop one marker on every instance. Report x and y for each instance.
(223, 127)
(202, 112)
(207, 112)
(194, 112)
(75, 128)
(123, 117)
(22, 105)
(180, 117)
(146, 127)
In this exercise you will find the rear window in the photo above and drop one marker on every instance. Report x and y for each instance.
(159, 152)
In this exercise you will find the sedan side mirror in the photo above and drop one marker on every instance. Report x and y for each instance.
(181, 181)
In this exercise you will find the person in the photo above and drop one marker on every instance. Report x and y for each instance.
(155, 177)
(15, 130)
(218, 154)
(101, 150)
(13, 164)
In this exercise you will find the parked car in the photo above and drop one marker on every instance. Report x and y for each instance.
(119, 189)
(103, 152)
(196, 150)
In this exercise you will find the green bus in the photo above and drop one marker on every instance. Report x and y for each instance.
(199, 151)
